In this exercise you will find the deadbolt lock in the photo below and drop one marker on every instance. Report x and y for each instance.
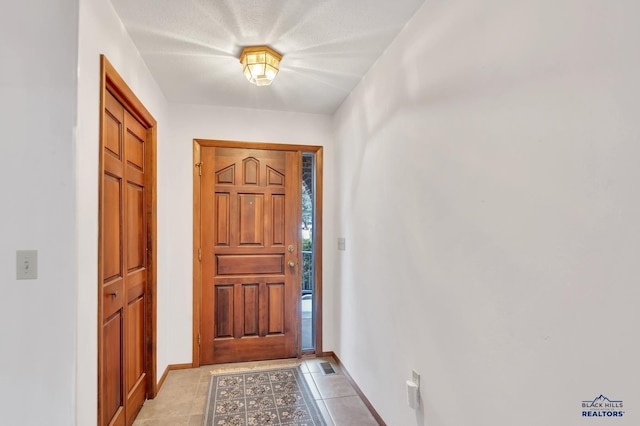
(291, 248)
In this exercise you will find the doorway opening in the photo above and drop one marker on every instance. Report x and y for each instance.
(126, 252)
(248, 252)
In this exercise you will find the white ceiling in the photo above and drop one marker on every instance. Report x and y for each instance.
(192, 47)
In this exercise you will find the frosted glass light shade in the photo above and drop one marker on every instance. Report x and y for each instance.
(260, 64)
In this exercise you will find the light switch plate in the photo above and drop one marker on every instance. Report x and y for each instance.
(415, 377)
(27, 264)
(341, 243)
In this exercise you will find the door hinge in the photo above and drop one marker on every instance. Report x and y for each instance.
(200, 255)
(199, 166)
(198, 339)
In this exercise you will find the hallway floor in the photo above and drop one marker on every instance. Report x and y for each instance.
(182, 398)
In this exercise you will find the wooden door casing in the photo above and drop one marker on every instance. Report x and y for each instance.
(249, 213)
(126, 365)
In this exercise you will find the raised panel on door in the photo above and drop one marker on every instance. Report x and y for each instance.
(251, 309)
(136, 246)
(277, 220)
(250, 171)
(224, 304)
(250, 264)
(113, 398)
(251, 219)
(223, 209)
(135, 342)
(274, 177)
(113, 121)
(135, 145)
(275, 308)
(112, 226)
(227, 175)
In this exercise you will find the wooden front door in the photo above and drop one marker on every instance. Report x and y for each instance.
(123, 239)
(249, 234)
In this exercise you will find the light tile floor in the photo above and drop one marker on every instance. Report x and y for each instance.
(182, 398)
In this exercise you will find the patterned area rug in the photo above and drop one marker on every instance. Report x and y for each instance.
(261, 398)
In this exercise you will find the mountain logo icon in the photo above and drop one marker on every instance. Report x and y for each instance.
(599, 399)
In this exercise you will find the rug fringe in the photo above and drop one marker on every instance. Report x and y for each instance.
(270, 365)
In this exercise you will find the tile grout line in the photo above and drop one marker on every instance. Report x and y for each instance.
(328, 412)
(322, 398)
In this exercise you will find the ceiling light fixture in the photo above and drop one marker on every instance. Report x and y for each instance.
(260, 64)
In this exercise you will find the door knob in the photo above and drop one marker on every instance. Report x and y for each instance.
(114, 294)
(291, 264)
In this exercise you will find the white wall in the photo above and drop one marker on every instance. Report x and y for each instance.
(37, 117)
(190, 122)
(489, 196)
(101, 31)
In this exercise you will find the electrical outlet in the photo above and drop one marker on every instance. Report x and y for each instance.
(27, 264)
